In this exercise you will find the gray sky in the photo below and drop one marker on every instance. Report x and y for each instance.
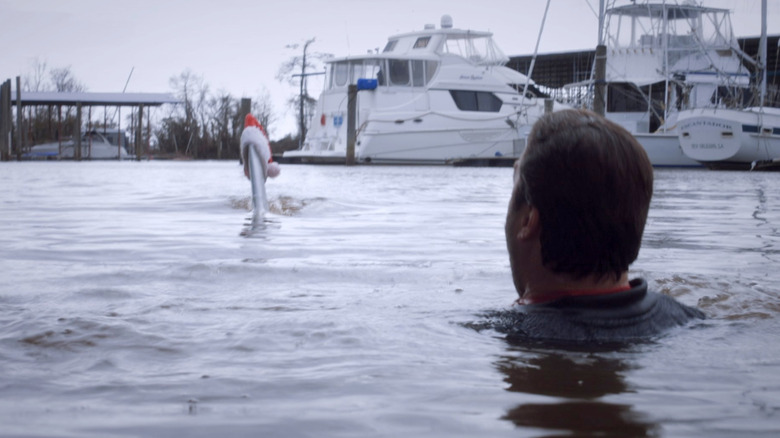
(238, 46)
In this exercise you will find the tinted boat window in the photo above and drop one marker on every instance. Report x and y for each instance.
(399, 71)
(373, 70)
(340, 74)
(465, 100)
(358, 72)
(488, 102)
(421, 42)
(418, 74)
(390, 46)
(476, 101)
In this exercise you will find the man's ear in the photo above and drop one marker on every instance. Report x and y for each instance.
(528, 219)
(516, 174)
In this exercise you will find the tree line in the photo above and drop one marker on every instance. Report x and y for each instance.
(206, 124)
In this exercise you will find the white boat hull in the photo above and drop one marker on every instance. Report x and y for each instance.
(730, 138)
(316, 156)
(443, 145)
(94, 146)
(96, 152)
(663, 150)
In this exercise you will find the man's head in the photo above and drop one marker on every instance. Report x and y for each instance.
(583, 185)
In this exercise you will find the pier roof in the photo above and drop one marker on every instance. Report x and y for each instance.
(95, 99)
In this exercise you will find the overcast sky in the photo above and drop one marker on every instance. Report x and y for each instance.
(238, 46)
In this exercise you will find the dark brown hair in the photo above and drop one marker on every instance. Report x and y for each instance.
(591, 182)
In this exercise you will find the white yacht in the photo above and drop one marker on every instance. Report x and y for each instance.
(663, 57)
(435, 96)
(733, 135)
(94, 146)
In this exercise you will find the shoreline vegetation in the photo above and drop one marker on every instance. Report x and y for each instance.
(206, 124)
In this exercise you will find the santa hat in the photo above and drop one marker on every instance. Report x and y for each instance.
(250, 120)
(250, 123)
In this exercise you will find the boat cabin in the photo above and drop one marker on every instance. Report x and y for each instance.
(394, 72)
(413, 59)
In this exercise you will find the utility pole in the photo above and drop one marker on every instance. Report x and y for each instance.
(303, 92)
(6, 121)
(351, 114)
(301, 120)
(19, 135)
(599, 80)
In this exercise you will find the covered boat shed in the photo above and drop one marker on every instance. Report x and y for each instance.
(8, 145)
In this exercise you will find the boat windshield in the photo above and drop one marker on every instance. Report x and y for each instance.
(477, 48)
(388, 72)
(682, 28)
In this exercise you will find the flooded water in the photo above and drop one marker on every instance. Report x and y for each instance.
(137, 299)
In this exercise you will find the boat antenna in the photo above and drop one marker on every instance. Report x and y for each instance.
(536, 50)
(118, 108)
(128, 79)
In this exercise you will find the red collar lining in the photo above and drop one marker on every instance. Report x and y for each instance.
(569, 293)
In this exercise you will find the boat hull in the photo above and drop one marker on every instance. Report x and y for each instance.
(314, 157)
(97, 150)
(663, 150)
(732, 139)
(439, 146)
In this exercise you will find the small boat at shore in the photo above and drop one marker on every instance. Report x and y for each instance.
(108, 145)
(435, 96)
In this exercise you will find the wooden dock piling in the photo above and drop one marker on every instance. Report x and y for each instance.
(6, 121)
(351, 116)
(19, 136)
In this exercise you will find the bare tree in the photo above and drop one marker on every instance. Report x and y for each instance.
(40, 125)
(207, 124)
(187, 85)
(306, 64)
(48, 125)
(221, 108)
(64, 81)
(36, 81)
(262, 108)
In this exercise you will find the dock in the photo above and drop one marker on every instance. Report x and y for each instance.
(484, 162)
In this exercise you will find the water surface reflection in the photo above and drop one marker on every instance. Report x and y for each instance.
(574, 385)
(140, 299)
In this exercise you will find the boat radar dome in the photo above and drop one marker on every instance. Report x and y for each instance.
(446, 22)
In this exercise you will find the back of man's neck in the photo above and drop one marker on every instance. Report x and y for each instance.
(559, 286)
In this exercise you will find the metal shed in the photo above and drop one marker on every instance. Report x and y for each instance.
(79, 100)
